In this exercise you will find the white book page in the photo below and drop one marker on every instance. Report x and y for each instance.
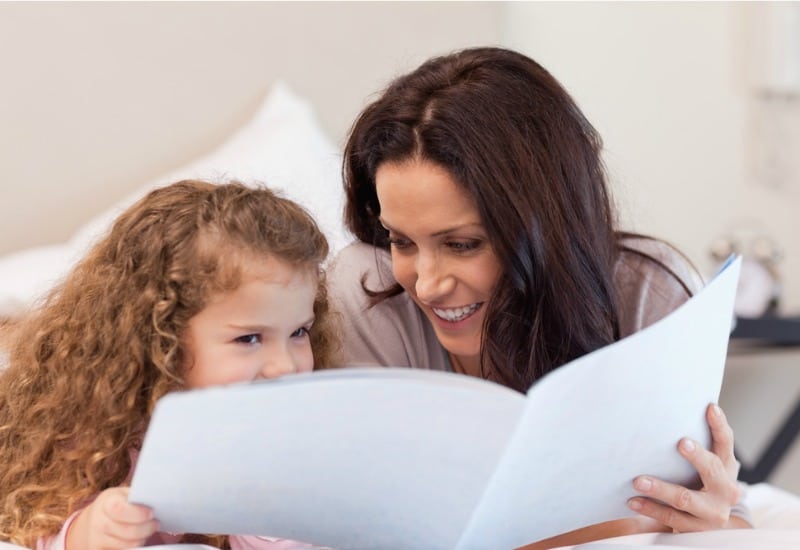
(356, 458)
(591, 426)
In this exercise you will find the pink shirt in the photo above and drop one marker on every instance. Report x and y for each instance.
(238, 542)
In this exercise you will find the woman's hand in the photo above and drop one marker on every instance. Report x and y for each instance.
(110, 522)
(680, 509)
(683, 509)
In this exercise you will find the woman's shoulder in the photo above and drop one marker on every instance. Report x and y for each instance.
(653, 278)
(391, 332)
(358, 259)
(354, 267)
(651, 258)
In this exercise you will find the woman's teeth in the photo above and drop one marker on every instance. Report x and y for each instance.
(457, 313)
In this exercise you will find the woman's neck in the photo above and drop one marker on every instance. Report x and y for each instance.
(469, 365)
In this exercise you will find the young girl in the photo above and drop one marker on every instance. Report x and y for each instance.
(196, 285)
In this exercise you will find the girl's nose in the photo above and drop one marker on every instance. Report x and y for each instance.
(278, 363)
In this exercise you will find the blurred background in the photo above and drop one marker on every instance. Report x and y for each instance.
(698, 104)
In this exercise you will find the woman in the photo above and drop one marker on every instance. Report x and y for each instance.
(484, 181)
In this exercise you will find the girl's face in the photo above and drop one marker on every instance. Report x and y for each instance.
(259, 330)
(441, 253)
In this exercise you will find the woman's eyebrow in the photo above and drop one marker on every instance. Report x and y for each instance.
(454, 228)
(444, 231)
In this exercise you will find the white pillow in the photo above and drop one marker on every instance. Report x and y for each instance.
(28, 274)
(772, 507)
(282, 146)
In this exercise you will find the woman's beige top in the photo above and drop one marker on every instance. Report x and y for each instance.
(396, 333)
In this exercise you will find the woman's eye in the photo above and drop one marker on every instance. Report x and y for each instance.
(249, 339)
(398, 242)
(464, 246)
(301, 332)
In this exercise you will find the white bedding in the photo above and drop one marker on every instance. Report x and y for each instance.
(739, 539)
(282, 146)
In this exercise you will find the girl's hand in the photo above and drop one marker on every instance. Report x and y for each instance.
(110, 522)
(683, 509)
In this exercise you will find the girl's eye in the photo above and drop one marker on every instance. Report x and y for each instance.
(249, 339)
(302, 332)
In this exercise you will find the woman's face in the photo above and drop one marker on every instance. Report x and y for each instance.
(441, 254)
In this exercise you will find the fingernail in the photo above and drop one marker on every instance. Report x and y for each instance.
(716, 410)
(643, 484)
(687, 445)
(634, 504)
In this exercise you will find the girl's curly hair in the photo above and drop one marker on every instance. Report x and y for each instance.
(87, 367)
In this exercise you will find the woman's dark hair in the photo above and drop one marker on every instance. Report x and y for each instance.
(515, 140)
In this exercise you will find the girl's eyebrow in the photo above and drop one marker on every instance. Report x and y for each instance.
(444, 231)
(248, 328)
(262, 328)
(310, 320)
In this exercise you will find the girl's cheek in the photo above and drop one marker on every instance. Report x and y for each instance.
(308, 364)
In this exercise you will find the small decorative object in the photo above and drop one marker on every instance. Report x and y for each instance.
(759, 287)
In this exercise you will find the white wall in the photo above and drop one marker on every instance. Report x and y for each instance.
(99, 98)
(666, 84)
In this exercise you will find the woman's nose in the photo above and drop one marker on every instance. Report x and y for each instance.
(433, 279)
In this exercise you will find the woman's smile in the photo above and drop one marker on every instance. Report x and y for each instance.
(456, 314)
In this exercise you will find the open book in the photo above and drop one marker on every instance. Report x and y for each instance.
(408, 458)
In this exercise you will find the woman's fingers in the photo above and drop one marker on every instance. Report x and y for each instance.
(722, 439)
(673, 518)
(717, 480)
(678, 507)
(709, 507)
